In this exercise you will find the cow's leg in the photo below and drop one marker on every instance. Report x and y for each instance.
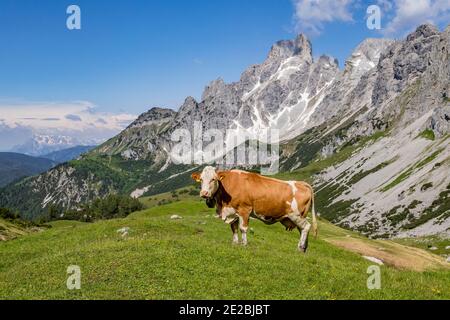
(303, 245)
(235, 228)
(303, 227)
(244, 217)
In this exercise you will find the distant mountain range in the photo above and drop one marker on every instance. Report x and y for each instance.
(373, 138)
(40, 145)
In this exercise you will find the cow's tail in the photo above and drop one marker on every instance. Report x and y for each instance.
(314, 217)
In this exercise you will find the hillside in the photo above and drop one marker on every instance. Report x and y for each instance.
(14, 166)
(193, 258)
(10, 230)
(12, 226)
(372, 138)
(65, 155)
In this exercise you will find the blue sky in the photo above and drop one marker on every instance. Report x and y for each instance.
(131, 55)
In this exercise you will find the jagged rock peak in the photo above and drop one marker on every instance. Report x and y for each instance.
(425, 30)
(189, 101)
(188, 105)
(285, 49)
(325, 59)
(213, 88)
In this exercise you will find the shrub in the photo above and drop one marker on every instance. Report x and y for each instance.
(111, 207)
(193, 192)
(8, 214)
(428, 134)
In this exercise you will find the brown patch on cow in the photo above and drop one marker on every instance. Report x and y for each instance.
(196, 176)
(391, 253)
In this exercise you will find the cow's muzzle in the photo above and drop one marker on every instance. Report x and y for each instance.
(205, 194)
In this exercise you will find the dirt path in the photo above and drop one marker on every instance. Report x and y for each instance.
(391, 253)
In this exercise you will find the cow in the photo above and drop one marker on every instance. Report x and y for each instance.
(239, 195)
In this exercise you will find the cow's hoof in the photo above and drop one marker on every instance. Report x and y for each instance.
(302, 249)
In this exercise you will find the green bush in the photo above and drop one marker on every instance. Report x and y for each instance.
(111, 207)
(8, 214)
(428, 134)
(193, 192)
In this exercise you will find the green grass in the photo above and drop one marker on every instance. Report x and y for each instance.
(193, 258)
(428, 134)
(405, 174)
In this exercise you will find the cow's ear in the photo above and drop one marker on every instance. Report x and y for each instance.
(196, 177)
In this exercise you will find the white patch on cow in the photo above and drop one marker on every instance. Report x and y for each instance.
(235, 238)
(241, 225)
(229, 215)
(244, 230)
(207, 177)
(244, 238)
(293, 187)
(303, 224)
(294, 206)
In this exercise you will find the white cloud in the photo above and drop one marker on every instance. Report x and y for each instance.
(408, 14)
(312, 15)
(385, 5)
(79, 120)
(77, 116)
(399, 16)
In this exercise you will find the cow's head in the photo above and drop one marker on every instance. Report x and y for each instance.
(209, 180)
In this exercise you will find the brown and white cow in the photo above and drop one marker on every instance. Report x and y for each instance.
(239, 195)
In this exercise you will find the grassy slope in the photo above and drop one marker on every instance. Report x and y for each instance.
(12, 229)
(193, 258)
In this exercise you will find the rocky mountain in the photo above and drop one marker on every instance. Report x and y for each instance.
(14, 166)
(373, 137)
